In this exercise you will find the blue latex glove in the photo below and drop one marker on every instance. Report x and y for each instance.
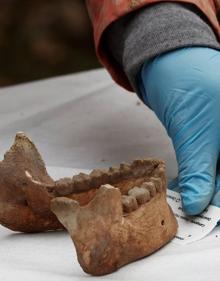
(182, 87)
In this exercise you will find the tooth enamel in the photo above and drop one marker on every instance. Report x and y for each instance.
(150, 163)
(85, 179)
(129, 203)
(137, 163)
(95, 176)
(141, 194)
(114, 173)
(138, 172)
(64, 186)
(140, 168)
(135, 172)
(108, 186)
(158, 183)
(104, 176)
(125, 169)
(151, 187)
(160, 170)
(80, 184)
(84, 176)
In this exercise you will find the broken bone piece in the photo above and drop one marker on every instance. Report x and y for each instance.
(109, 227)
(24, 201)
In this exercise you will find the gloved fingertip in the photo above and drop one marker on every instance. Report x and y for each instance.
(194, 205)
(216, 199)
(174, 185)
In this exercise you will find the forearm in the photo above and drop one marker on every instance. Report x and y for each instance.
(154, 30)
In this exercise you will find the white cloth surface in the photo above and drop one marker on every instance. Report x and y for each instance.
(85, 121)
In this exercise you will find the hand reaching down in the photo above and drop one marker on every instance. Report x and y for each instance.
(182, 87)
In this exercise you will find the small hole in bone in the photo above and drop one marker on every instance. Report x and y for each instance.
(162, 222)
(25, 203)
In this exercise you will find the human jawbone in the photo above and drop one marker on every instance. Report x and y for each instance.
(114, 216)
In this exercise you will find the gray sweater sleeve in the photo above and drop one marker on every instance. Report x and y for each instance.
(156, 29)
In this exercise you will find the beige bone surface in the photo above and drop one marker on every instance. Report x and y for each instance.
(114, 216)
(24, 205)
(105, 239)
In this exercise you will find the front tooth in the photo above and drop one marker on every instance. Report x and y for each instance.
(141, 194)
(64, 186)
(151, 187)
(129, 203)
(158, 183)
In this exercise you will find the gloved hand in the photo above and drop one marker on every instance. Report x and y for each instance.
(182, 87)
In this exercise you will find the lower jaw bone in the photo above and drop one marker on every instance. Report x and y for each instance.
(109, 227)
(105, 239)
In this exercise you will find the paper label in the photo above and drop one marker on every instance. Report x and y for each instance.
(192, 228)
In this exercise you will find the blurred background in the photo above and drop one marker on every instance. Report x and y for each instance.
(44, 38)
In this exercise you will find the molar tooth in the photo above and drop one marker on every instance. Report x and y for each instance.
(160, 170)
(125, 169)
(158, 183)
(137, 163)
(141, 194)
(96, 178)
(138, 171)
(149, 164)
(104, 176)
(146, 161)
(85, 178)
(138, 168)
(151, 187)
(64, 186)
(80, 183)
(114, 173)
(129, 203)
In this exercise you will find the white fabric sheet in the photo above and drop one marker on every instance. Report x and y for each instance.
(85, 121)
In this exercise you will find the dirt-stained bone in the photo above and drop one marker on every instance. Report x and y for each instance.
(114, 216)
(105, 238)
(17, 198)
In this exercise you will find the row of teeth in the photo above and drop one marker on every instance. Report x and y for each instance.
(84, 182)
(141, 195)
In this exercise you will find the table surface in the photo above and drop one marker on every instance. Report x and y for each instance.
(85, 121)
